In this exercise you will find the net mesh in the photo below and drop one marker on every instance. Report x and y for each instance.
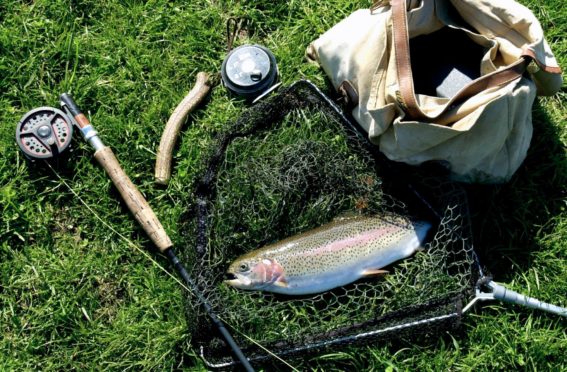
(288, 165)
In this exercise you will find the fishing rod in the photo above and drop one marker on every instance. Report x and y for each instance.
(143, 213)
(45, 132)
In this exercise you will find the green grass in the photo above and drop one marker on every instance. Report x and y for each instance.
(74, 295)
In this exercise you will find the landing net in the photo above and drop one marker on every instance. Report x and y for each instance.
(290, 164)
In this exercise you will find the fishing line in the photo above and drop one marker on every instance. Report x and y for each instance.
(130, 243)
(263, 348)
(154, 262)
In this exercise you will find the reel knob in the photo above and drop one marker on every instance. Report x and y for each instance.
(44, 133)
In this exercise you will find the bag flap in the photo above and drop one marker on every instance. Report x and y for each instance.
(518, 32)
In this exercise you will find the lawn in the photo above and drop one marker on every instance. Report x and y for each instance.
(83, 288)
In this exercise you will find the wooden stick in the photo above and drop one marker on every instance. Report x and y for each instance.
(173, 126)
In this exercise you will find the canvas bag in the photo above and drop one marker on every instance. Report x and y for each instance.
(483, 131)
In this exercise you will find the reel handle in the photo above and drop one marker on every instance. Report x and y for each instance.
(133, 199)
(129, 192)
(188, 104)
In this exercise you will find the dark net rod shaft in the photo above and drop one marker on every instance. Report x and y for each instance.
(218, 323)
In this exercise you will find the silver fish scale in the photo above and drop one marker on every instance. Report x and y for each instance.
(307, 254)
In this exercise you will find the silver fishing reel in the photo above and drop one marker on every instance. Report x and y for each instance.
(44, 133)
(249, 71)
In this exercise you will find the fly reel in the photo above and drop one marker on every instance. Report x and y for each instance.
(44, 133)
(249, 71)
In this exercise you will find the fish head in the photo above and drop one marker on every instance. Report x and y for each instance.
(254, 273)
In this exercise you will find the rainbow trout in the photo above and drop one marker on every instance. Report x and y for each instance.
(330, 256)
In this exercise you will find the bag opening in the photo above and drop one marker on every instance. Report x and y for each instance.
(444, 61)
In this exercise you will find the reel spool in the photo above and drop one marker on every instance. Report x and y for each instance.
(44, 133)
(249, 71)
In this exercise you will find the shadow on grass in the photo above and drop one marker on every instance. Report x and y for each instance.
(507, 219)
(25, 197)
(39, 187)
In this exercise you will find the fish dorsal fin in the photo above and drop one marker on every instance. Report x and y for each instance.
(374, 272)
(347, 215)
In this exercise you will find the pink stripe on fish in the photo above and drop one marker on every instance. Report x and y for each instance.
(358, 241)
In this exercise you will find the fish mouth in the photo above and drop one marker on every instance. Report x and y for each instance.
(236, 280)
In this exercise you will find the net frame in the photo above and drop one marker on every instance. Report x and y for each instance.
(428, 187)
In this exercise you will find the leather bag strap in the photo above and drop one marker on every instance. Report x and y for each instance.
(407, 97)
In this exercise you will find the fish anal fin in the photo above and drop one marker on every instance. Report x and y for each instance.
(374, 272)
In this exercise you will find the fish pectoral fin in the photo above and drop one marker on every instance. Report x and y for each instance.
(281, 282)
(374, 272)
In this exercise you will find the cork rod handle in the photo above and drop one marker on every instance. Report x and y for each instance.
(133, 198)
(173, 126)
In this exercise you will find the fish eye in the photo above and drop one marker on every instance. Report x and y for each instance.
(244, 267)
